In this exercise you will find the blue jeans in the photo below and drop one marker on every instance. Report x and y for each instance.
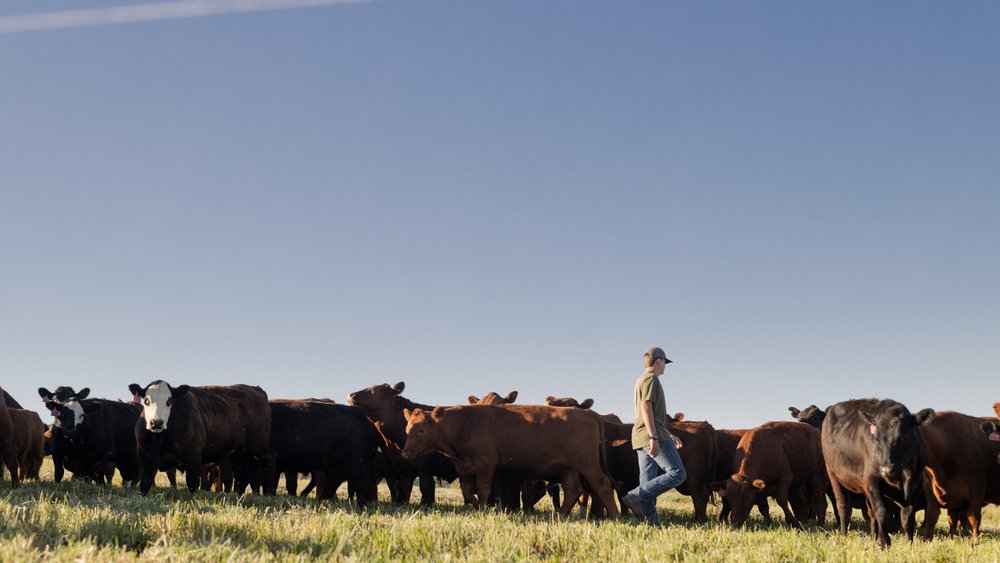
(651, 485)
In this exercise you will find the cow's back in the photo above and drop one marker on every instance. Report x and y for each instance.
(231, 417)
(801, 445)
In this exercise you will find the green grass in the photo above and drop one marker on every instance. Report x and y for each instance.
(78, 522)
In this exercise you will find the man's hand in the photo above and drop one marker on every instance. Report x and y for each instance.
(654, 448)
(677, 442)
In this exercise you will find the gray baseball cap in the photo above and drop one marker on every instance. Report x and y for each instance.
(656, 352)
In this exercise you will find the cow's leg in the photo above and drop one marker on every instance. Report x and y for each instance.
(57, 460)
(292, 482)
(484, 484)
(974, 514)
(880, 511)
(193, 474)
(604, 490)
(405, 486)
(426, 486)
(468, 485)
(147, 473)
(908, 517)
(781, 497)
(843, 504)
(571, 491)
(726, 509)
(171, 478)
(818, 494)
(931, 514)
(313, 482)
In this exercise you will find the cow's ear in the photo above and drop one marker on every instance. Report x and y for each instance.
(438, 412)
(408, 414)
(679, 417)
(44, 393)
(136, 391)
(739, 478)
(795, 412)
(53, 406)
(511, 397)
(92, 407)
(473, 400)
(996, 408)
(179, 391)
(759, 484)
(587, 403)
(82, 394)
(549, 399)
(398, 387)
(923, 416)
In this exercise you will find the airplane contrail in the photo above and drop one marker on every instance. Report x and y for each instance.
(133, 13)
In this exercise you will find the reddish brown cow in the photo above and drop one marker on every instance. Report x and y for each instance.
(29, 442)
(961, 467)
(510, 492)
(697, 454)
(8, 452)
(384, 405)
(586, 404)
(493, 398)
(728, 456)
(775, 459)
(533, 441)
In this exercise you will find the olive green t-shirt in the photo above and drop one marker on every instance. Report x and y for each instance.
(648, 388)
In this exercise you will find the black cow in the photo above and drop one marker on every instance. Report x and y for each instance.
(339, 440)
(875, 447)
(186, 427)
(102, 433)
(811, 415)
(63, 456)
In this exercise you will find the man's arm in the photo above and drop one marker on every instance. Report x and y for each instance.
(647, 418)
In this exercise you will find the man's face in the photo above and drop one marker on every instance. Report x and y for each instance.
(659, 365)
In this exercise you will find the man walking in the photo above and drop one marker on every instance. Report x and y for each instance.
(653, 443)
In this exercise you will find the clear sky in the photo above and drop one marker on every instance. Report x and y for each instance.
(798, 201)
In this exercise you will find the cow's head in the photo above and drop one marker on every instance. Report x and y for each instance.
(423, 434)
(568, 402)
(377, 398)
(62, 394)
(493, 398)
(157, 400)
(742, 494)
(992, 430)
(811, 415)
(898, 446)
(70, 415)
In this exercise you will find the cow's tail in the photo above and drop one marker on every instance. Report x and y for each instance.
(603, 452)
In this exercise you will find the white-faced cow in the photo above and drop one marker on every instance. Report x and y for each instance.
(187, 427)
(63, 456)
(102, 433)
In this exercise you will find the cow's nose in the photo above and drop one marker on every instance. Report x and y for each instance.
(156, 424)
(889, 472)
(405, 454)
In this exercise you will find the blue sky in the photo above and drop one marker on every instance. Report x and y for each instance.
(798, 201)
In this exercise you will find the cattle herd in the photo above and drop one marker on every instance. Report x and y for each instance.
(870, 454)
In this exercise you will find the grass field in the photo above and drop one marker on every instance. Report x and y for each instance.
(79, 522)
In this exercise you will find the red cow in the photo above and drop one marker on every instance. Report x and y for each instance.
(530, 440)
